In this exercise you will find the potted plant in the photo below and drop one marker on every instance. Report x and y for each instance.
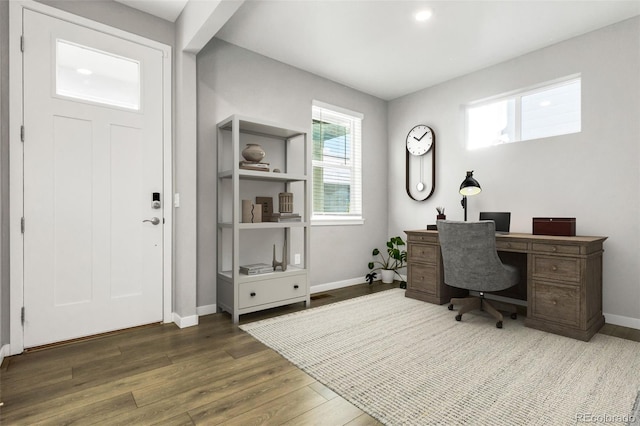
(388, 265)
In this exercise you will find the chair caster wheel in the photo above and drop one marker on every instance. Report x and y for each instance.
(499, 324)
(450, 307)
(514, 316)
(458, 317)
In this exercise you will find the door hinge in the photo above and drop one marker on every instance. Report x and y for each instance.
(22, 225)
(22, 43)
(22, 315)
(22, 133)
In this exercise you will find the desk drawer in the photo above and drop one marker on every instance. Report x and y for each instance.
(426, 237)
(423, 253)
(556, 268)
(423, 278)
(556, 248)
(271, 290)
(511, 245)
(555, 302)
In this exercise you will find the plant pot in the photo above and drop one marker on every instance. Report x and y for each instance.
(387, 275)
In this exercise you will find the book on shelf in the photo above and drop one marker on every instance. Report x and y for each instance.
(256, 268)
(249, 165)
(285, 217)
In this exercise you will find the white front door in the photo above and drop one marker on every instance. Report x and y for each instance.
(93, 165)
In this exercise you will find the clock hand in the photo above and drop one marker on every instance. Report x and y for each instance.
(423, 135)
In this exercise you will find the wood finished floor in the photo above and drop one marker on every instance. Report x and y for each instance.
(210, 374)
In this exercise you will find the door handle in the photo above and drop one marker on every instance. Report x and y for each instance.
(153, 220)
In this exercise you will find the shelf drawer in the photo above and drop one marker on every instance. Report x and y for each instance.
(270, 290)
(556, 302)
(423, 278)
(556, 268)
(423, 253)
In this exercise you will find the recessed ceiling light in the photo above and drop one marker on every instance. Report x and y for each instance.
(423, 15)
(84, 71)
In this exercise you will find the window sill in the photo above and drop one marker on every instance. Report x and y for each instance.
(336, 221)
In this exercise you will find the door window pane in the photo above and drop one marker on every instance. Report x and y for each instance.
(96, 76)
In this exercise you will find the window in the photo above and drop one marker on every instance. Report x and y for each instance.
(96, 76)
(337, 175)
(550, 110)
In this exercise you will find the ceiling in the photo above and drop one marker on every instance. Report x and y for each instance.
(377, 47)
(166, 9)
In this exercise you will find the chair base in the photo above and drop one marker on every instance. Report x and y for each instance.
(482, 304)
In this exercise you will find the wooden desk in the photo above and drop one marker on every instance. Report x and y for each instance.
(563, 278)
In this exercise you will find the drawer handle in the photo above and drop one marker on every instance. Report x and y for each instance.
(253, 293)
(554, 268)
(555, 302)
(296, 286)
(509, 245)
(554, 248)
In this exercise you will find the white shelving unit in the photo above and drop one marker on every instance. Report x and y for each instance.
(287, 149)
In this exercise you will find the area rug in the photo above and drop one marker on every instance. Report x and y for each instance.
(406, 362)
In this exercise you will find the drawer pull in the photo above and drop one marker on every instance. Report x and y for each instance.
(296, 286)
(555, 302)
(509, 245)
(554, 248)
(554, 268)
(253, 293)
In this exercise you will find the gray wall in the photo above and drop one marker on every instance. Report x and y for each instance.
(4, 173)
(592, 175)
(234, 80)
(119, 16)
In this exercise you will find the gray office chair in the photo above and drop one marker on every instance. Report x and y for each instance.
(471, 262)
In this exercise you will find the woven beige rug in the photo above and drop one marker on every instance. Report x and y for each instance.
(407, 362)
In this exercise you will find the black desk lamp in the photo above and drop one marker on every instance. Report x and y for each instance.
(469, 186)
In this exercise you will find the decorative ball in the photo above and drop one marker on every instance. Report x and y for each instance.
(253, 152)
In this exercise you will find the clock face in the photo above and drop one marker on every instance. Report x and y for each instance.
(420, 140)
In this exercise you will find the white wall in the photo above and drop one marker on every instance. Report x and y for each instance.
(234, 80)
(593, 175)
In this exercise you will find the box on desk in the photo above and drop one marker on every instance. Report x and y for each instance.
(558, 226)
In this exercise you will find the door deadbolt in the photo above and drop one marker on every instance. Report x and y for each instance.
(153, 220)
(155, 201)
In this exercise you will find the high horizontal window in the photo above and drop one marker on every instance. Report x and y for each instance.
(551, 109)
(336, 161)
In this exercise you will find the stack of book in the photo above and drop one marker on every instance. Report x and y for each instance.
(255, 269)
(251, 165)
(285, 217)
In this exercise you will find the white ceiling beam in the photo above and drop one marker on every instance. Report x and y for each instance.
(201, 20)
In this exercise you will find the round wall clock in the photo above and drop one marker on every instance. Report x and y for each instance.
(421, 140)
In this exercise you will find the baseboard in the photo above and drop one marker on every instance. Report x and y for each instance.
(184, 322)
(622, 321)
(5, 350)
(319, 288)
(206, 310)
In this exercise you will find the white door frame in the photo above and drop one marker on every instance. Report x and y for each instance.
(16, 196)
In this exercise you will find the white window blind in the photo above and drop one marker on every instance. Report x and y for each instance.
(336, 163)
(551, 109)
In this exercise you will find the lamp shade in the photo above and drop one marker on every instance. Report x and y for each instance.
(469, 185)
